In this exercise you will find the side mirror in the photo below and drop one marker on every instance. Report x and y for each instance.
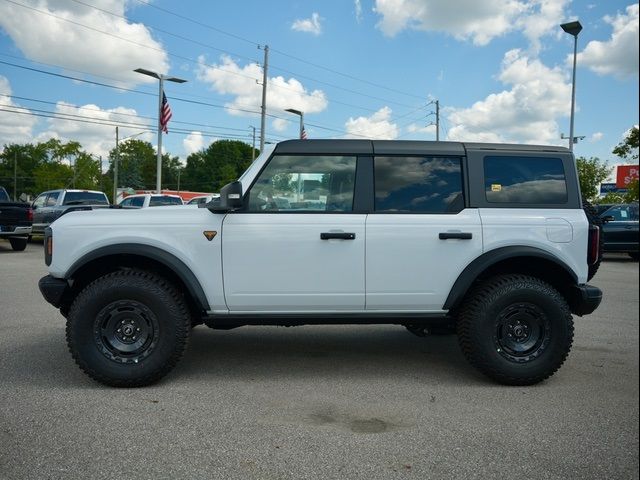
(608, 218)
(230, 198)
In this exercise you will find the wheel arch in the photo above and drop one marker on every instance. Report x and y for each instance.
(516, 259)
(132, 255)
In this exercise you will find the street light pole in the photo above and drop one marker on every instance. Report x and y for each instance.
(301, 115)
(161, 79)
(573, 28)
(115, 171)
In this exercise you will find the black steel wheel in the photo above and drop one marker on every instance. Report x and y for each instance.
(128, 328)
(515, 329)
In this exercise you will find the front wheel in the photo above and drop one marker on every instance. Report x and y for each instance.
(128, 328)
(515, 329)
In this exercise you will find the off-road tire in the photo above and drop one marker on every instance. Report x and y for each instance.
(18, 244)
(594, 219)
(148, 306)
(483, 333)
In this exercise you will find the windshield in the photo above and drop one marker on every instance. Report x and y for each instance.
(4, 197)
(85, 198)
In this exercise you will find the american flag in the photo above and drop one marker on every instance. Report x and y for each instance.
(165, 114)
(303, 133)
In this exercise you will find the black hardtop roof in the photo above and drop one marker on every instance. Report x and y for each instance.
(401, 147)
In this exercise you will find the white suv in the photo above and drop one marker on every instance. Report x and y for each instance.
(491, 239)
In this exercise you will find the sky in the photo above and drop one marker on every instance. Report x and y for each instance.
(500, 71)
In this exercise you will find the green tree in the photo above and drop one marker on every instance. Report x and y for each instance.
(213, 167)
(628, 150)
(591, 173)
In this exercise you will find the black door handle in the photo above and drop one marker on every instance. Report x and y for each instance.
(457, 235)
(337, 235)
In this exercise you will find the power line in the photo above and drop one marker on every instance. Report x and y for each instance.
(235, 54)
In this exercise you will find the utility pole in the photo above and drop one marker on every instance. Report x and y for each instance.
(15, 176)
(437, 120)
(263, 107)
(115, 170)
(253, 150)
(179, 170)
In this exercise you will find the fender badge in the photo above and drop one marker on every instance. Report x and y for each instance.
(210, 234)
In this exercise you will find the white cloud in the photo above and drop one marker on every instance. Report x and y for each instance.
(596, 137)
(526, 113)
(426, 129)
(229, 78)
(617, 56)
(377, 126)
(465, 19)
(478, 21)
(45, 38)
(14, 127)
(194, 142)
(358, 10)
(95, 138)
(308, 25)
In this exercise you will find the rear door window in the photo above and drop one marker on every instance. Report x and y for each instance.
(524, 180)
(418, 185)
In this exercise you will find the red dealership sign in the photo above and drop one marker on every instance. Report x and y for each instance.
(626, 174)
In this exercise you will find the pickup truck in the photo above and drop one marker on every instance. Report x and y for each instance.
(492, 239)
(15, 221)
(50, 205)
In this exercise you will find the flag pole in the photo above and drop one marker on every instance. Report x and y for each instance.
(159, 156)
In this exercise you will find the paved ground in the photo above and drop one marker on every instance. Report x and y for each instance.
(316, 402)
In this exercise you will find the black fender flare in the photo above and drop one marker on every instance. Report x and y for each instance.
(163, 257)
(486, 260)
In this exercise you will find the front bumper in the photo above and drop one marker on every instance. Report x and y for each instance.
(53, 289)
(584, 299)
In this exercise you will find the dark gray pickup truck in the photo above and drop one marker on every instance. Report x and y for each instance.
(15, 221)
(50, 205)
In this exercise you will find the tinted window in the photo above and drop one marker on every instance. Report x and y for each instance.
(623, 213)
(418, 185)
(137, 202)
(305, 184)
(85, 198)
(535, 180)
(160, 201)
(126, 202)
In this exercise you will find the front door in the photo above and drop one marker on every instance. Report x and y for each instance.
(297, 246)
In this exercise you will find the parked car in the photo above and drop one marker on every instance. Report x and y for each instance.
(491, 238)
(145, 200)
(15, 221)
(203, 199)
(50, 205)
(620, 229)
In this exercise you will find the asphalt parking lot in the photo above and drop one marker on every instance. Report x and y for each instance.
(370, 402)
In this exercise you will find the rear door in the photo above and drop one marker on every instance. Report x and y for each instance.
(299, 244)
(419, 235)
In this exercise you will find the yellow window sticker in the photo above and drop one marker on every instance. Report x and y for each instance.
(496, 187)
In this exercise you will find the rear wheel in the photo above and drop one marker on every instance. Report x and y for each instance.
(18, 243)
(515, 329)
(128, 328)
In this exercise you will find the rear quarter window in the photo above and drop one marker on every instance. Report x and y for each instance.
(524, 180)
